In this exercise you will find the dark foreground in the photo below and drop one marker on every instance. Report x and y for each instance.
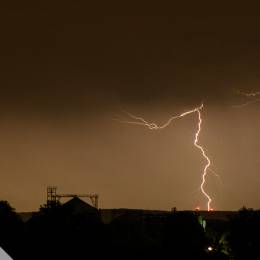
(75, 230)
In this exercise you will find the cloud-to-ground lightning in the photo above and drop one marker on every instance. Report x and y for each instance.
(136, 120)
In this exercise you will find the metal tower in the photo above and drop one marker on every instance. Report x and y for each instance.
(53, 197)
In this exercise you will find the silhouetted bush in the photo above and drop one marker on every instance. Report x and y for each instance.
(132, 235)
(184, 236)
(244, 236)
(58, 233)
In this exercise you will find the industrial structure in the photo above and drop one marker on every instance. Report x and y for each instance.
(53, 197)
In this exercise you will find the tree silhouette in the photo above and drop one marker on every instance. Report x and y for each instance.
(11, 230)
(244, 236)
(60, 233)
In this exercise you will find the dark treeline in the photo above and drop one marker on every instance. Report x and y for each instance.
(57, 232)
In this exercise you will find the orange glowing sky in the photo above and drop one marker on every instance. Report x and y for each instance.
(69, 69)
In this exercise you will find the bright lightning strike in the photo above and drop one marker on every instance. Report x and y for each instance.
(205, 156)
(154, 126)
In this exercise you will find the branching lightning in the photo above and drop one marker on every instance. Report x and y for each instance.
(135, 120)
(205, 156)
(251, 96)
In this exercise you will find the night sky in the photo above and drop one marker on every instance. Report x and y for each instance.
(69, 69)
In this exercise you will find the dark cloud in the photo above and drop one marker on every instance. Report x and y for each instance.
(58, 55)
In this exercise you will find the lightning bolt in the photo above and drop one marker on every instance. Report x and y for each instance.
(252, 96)
(136, 120)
